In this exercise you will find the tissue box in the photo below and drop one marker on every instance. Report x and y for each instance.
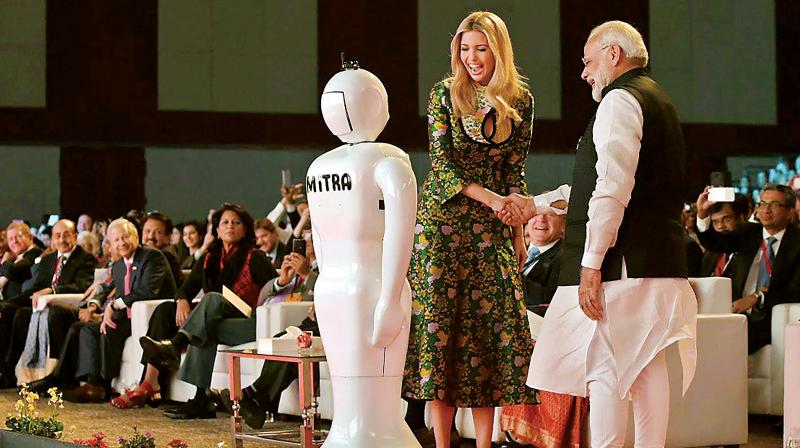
(276, 345)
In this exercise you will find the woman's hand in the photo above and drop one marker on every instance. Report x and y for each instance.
(182, 310)
(108, 319)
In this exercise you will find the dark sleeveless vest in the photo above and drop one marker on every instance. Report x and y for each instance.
(650, 238)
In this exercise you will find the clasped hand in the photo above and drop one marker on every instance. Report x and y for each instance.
(514, 209)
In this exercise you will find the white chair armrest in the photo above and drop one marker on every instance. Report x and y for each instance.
(782, 315)
(62, 299)
(284, 314)
(791, 394)
(140, 316)
(713, 294)
(262, 322)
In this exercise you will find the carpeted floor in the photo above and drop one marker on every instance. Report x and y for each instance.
(81, 420)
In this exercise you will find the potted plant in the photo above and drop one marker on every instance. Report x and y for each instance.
(28, 428)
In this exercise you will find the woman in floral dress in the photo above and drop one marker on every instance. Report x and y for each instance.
(470, 344)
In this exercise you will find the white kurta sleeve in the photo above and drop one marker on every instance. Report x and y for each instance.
(617, 135)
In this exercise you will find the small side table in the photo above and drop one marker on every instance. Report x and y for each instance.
(309, 434)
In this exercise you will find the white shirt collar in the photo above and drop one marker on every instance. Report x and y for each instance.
(546, 247)
(778, 236)
(66, 255)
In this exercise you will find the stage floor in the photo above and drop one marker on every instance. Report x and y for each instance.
(81, 420)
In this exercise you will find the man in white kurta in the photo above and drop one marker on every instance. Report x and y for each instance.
(605, 336)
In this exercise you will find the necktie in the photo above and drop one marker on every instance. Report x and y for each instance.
(128, 270)
(719, 268)
(59, 266)
(766, 263)
(533, 254)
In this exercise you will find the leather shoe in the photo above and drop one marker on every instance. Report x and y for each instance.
(41, 386)
(193, 409)
(162, 354)
(249, 409)
(86, 393)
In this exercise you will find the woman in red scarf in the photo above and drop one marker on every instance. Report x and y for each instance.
(233, 261)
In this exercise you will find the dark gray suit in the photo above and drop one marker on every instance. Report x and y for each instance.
(151, 279)
(76, 275)
(540, 283)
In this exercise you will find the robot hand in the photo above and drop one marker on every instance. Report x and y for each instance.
(387, 322)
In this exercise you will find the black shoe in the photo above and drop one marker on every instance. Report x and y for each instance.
(192, 409)
(161, 354)
(41, 386)
(254, 416)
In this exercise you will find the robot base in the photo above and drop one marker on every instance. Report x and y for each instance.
(368, 413)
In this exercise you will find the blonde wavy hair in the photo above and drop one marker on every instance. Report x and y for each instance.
(506, 85)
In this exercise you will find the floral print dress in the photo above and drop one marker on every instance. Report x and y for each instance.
(470, 344)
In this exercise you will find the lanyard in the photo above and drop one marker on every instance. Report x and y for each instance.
(764, 254)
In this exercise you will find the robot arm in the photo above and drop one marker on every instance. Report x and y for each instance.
(396, 179)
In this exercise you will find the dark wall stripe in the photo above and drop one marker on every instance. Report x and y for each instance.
(102, 82)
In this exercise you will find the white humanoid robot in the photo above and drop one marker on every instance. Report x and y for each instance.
(363, 198)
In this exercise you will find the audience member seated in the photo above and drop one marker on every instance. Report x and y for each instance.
(66, 269)
(16, 263)
(232, 261)
(193, 231)
(694, 251)
(286, 213)
(65, 324)
(85, 223)
(176, 241)
(269, 242)
(156, 229)
(725, 217)
(90, 242)
(3, 243)
(768, 253)
(141, 273)
(540, 271)
(297, 277)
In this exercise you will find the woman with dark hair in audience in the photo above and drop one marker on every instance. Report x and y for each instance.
(232, 261)
(196, 241)
(176, 241)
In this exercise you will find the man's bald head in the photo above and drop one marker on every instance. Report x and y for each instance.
(64, 236)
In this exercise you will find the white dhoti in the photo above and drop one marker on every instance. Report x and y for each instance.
(641, 318)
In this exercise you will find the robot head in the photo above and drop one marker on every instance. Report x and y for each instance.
(355, 105)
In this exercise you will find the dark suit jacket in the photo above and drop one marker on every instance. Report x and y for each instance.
(541, 282)
(17, 273)
(709, 265)
(150, 278)
(784, 285)
(174, 266)
(694, 257)
(76, 275)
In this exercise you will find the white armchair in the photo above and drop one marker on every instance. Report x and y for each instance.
(765, 372)
(791, 393)
(270, 319)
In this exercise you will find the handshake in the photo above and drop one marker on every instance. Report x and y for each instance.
(514, 209)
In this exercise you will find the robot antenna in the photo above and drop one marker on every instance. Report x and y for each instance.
(348, 65)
